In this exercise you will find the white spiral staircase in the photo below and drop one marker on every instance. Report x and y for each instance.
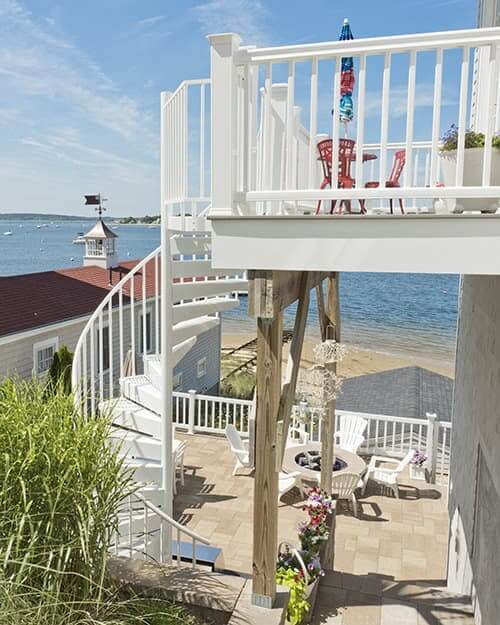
(110, 377)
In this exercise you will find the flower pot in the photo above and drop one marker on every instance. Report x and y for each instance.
(417, 472)
(473, 177)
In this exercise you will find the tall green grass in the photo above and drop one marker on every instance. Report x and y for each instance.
(61, 486)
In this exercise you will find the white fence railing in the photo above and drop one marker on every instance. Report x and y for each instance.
(385, 435)
(408, 89)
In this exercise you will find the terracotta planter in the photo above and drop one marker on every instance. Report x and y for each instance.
(473, 176)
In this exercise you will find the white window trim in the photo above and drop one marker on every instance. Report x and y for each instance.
(202, 362)
(149, 309)
(177, 381)
(96, 339)
(52, 342)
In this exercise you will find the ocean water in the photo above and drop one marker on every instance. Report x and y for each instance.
(388, 312)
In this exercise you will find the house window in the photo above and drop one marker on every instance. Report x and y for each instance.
(177, 382)
(43, 354)
(149, 332)
(105, 349)
(201, 367)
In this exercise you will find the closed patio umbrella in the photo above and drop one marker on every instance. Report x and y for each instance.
(347, 79)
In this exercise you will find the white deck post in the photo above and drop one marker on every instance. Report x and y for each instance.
(191, 411)
(224, 121)
(432, 444)
(166, 345)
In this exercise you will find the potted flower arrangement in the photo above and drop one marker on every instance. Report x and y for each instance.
(417, 465)
(473, 168)
(300, 569)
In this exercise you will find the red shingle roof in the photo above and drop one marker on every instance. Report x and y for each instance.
(37, 299)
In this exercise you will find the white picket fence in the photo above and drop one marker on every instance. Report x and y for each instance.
(385, 435)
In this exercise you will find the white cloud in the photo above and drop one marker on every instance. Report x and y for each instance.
(245, 17)
(147, 21)
(36, 63)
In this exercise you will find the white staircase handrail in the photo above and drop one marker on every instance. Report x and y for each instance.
(118, 288)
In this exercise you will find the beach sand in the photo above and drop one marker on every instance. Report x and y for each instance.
(359, 361)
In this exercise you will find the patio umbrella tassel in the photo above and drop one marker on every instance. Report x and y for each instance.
(347, 80)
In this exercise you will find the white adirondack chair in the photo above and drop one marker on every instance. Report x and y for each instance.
(344, 485)
(350, 434)
(239, 449)
(178, 462)
(384, 475)
(286, 481)
(297, 436)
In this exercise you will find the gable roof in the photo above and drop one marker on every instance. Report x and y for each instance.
(405, 392)
(37, 299)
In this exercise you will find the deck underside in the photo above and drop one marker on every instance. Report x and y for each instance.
(467, 244)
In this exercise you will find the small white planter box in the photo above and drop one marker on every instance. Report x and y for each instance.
(417, 472)
(473, 177)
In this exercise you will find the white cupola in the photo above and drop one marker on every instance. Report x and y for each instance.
(100, 247)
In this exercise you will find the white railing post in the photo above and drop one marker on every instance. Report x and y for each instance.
(191, 411)
(432, 444)
(223, 73)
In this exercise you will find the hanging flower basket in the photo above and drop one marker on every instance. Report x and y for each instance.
(328, 351)
(320, 385)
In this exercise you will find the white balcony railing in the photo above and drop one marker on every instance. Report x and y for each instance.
(409, 90)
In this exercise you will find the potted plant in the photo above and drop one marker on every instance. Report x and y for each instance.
(417, 465)
(300, 569)
(473, 168)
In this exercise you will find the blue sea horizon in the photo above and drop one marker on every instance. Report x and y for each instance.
(387, 312)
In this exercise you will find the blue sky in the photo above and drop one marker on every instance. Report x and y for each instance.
(80, 82)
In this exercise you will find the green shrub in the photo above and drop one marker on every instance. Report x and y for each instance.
(471, 139)
(61, 486)
(240, 385)
(60, 370)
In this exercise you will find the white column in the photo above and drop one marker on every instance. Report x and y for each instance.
(166, 348)
(224, 121)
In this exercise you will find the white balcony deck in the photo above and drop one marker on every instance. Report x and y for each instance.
(466, 244)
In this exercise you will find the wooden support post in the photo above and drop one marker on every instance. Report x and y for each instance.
(293, 364)
(332, 329)
(320, 300)
(265, 513)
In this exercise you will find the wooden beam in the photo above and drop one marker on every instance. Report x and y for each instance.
(293, 364)
(332, 325)
(320, 300)
(270, 292)
(265, 511)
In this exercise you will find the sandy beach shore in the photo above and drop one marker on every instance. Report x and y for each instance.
(359, 361)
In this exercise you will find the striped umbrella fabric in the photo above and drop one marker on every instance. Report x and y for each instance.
(347, 79)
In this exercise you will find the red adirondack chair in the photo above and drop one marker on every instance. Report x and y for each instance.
(393, 181)
(346, 151)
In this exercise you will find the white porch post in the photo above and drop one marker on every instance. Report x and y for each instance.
(224, 121)
(166, 343)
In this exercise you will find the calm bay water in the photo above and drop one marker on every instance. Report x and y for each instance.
(386, 312)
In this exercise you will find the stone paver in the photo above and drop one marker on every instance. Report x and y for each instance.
(388, 557)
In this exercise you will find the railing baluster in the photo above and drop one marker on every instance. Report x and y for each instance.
(132, 320)
(410, 106)
(462, 116)
(384, 123)
(202, 140)
(492, 94)
(336, 123)
(194, 553)
(313, 124)
(101, 357)
(144, 313)
(361, 121)
(157, 307)
(110, 348)
(130, 532)
(290, 101)
(267, 168)
(178, 547)
(92, 368)
(120, 328)
(436, 115)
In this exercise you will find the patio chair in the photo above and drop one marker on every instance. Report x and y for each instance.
(239, 449)
(297, 436)
(384, 475)
(346, 151)
(393, 181)
(287, 481)
(344, 485)
(178, 462)
(350, 434)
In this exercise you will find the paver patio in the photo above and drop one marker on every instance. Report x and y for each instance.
(387, 561)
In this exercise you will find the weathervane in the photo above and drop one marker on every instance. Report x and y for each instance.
(97, 201)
